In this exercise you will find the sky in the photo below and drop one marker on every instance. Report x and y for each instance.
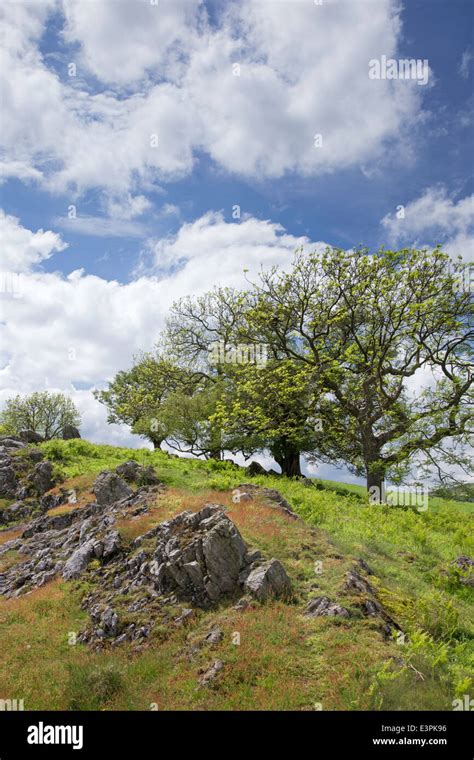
(151, 149)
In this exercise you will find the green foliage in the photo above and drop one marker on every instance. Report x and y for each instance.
(43, 412)
(136, 396)
(437, 614)
(365, 324)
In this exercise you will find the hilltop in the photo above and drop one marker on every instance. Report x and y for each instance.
(332, 603)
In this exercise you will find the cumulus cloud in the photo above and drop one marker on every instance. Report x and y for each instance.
(435, 217)
(122, 42)
(22, 248)
(251, 90)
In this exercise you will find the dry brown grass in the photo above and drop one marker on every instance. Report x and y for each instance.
(9, 534)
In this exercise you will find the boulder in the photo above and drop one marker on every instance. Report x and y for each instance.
(214, 636)
(128, 470)
(11, 443)
(111, 544)
(255, 468)
(134, 472)
(79, 560)
(8, 482)
(109, 487)
(69, 432)
(200, 556)
(322, 606)
(268, 580)
(40, 479)
(30, 436)
(147, 476)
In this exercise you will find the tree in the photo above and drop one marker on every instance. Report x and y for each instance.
(43, 412)
(367, 325)
(272, 407)
(195, 328)
(260, 401)
(136, 396)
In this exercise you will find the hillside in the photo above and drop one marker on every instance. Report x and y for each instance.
(391, 628)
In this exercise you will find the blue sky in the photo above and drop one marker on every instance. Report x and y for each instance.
(155, 222)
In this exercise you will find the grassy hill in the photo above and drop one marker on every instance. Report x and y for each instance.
(285, 660)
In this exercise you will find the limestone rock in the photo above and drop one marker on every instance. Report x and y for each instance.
(268, 580)
(255, 468)
(211, 673)
(30, 436)
(109, 487)
(79, 560)
(322, 606)
(69, 432)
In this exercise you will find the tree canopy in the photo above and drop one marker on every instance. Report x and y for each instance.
(356, 358)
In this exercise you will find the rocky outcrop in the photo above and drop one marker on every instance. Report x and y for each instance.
(202, 557)
(194, 560)
(270, 495)
(109, 487)
(255, 468)
(268, 580)
(25, 475)
(133, 472)
(66, 543)
(30, 436)
(9, 483)
(322, 606)
(40, 480)
(69, 432)
(366, 600)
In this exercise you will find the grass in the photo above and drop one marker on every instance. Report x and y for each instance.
(284, 660)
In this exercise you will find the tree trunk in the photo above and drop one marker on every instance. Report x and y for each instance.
(375, 480)
(288, 458)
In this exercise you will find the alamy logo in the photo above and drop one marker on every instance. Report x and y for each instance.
(404, 68)
(42, 734)
(11, 284)
(466, 703)
(241, 353)
(12, 705)
(400, 497)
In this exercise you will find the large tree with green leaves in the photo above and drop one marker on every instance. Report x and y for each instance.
(262, 401)
(390, 337)
(42, 412)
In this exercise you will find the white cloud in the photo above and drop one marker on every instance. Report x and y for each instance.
(128, 206)
(435, 218)
(72, 332)
(100, 226)
(19, 169)
(303, 71)
(122, 41)
(464, 66)
(21, 249)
